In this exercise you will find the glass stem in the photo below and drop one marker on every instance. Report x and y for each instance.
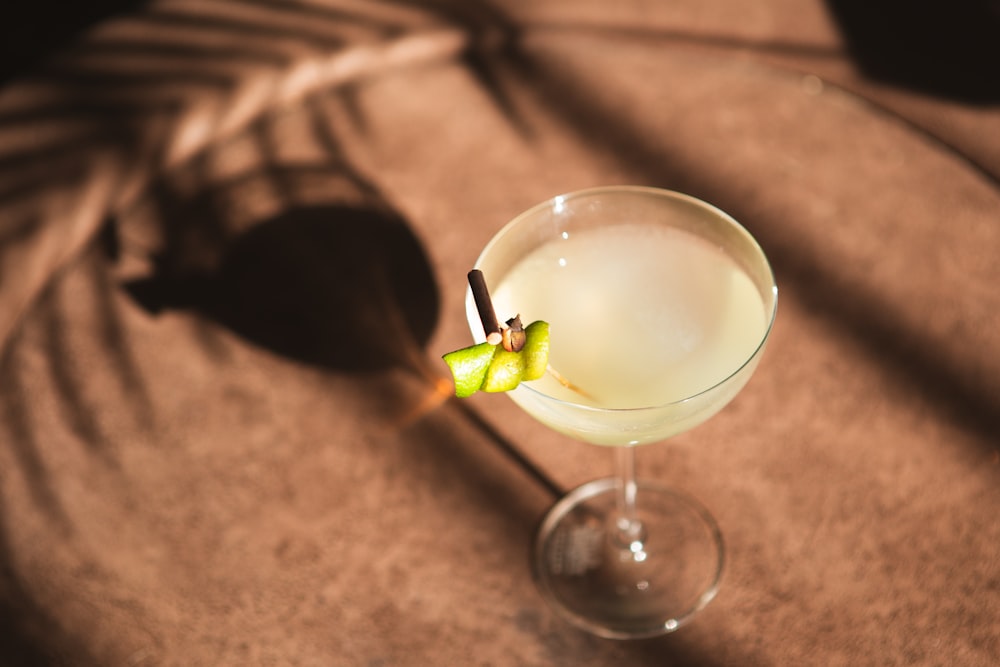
(629, 528)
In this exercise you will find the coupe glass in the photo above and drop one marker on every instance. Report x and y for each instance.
(659, 308)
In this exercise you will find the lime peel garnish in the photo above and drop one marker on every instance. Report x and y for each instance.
(491, 368)
(511, 354)
(469, 366)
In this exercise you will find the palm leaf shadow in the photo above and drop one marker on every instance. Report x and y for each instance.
(327, 274)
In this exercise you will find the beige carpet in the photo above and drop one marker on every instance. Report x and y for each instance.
(233, 244)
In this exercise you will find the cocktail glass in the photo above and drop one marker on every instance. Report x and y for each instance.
(659, 308)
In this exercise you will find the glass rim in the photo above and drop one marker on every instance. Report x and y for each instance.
(561, 199)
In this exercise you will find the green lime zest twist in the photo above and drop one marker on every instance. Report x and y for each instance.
(495, 368)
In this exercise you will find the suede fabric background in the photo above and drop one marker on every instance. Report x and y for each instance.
(233, 244)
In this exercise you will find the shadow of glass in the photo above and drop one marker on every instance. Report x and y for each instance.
(948, 51)
(22, 645)
(343, 288)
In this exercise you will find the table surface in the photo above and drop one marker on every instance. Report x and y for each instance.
(233, 244)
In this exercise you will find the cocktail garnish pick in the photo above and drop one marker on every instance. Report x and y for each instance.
(511, 354)
(481, 295)
(566, 383)
(498, 363)
(512, 336)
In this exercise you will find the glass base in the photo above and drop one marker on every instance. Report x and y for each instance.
(621, 589)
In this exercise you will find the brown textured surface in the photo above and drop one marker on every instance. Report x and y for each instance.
(233, 240)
